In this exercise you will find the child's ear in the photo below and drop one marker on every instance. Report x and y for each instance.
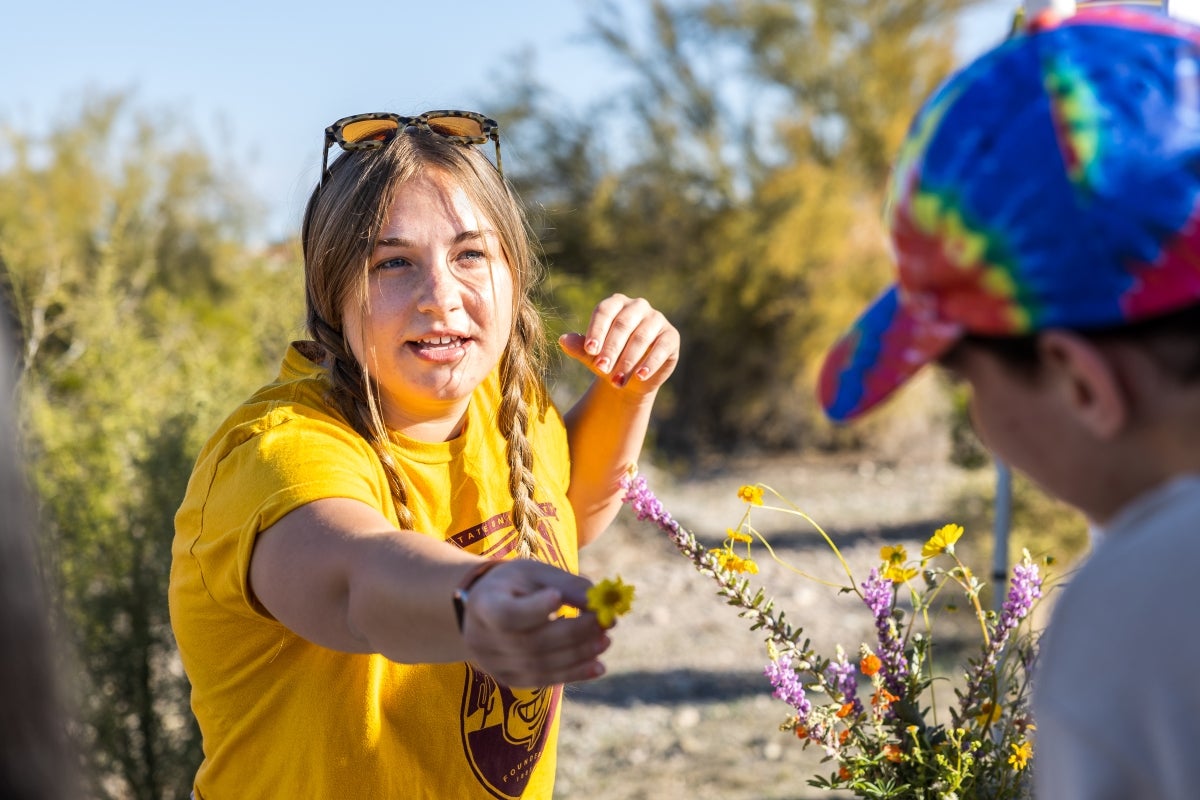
(1089, 382)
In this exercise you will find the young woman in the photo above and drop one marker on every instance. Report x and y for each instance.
(373, 585)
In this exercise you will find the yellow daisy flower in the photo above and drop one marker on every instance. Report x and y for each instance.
(894, 554)
(610, 599)
(942, 541)
(989, 714)
(735, 563)
(739, 536)
(897, 573)
(751, 494)
(1021, 753)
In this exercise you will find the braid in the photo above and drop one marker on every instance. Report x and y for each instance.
(519, 386)
(349, 393)
(341, 224)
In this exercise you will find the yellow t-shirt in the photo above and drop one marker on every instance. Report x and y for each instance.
(282, 717)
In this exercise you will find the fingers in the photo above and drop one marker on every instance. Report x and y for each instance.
(563, 650)
(627, 341)
(513, 628)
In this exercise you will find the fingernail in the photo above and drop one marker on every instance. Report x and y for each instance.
(604, 365)
(620, 379)
(643, 373)
(597, 670)
(591, 347)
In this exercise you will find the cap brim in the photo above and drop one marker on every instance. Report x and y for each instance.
(888, 344)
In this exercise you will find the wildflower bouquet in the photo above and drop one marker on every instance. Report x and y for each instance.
(876, 712)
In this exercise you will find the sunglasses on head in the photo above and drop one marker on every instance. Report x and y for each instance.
(369, 131)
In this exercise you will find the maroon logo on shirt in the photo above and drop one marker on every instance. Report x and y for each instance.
(507, 543)
(505, 730)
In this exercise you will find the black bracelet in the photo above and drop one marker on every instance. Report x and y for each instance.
(464, 587)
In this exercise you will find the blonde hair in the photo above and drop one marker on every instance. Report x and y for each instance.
(341, 225)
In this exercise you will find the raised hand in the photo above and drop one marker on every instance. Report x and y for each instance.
(628, 342)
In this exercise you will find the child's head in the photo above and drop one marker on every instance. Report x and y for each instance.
(1054, 183)
(343, 226)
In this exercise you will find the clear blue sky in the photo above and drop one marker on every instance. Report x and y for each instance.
(260, 79)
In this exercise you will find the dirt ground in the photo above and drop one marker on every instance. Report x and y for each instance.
(685, 711)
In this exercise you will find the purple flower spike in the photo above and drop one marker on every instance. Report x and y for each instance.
(877, 594)
(843, 677)
(788, 686)
(1026, 587)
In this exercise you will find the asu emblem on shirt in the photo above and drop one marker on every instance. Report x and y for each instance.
(505, 731)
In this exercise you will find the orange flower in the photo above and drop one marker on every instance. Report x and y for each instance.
(843, 774)
(801, 732)
(870, 664)
(893, 753)
(883, 698)
(846, 710)
(843, 736)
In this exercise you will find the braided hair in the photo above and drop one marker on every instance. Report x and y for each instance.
(341, 225)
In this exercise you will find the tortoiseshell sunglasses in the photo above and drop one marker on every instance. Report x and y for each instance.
(369, 131)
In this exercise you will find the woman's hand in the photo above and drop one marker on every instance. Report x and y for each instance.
(628, 342)
(512, 628)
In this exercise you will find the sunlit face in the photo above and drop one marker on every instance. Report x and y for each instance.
(440, 307)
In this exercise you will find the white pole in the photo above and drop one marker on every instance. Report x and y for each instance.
(1001, 524)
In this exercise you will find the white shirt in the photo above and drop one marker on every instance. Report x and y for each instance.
(1117, 687)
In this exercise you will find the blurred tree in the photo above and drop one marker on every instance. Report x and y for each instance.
(741, 191)
(134, 291)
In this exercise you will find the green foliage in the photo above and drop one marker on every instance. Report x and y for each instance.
(134, 294)
(756, 139)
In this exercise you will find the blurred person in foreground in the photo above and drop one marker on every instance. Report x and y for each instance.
(1045, 217)
(35, 761)
(373, 581)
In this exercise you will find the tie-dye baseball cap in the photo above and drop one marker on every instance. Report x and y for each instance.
(1052, 182)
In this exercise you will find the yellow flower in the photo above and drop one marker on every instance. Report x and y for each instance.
(894, 554)
(739, 536)
(899, 574)
(751, 494)
(610, 599)
(1021, 753)
(942, 541)
(989, 714)
(734, 563)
